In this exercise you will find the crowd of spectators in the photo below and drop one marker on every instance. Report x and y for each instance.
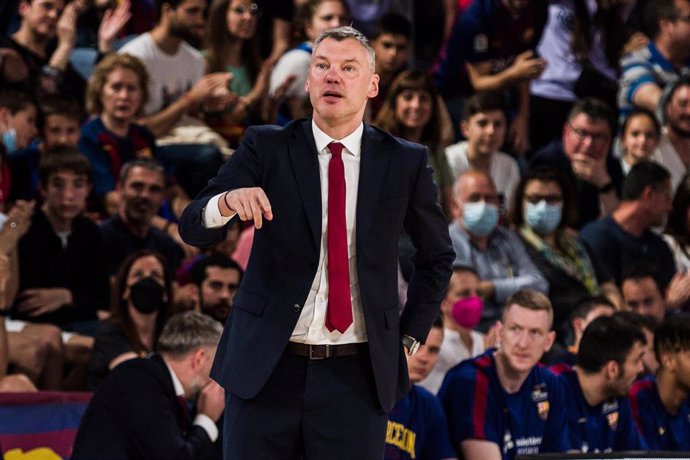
(558, 133)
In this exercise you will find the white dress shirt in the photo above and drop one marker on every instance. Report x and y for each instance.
(203, 420)
(310, 326)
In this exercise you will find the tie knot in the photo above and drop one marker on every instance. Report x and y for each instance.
(336, 148)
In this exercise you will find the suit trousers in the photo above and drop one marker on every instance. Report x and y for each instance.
(311, 409)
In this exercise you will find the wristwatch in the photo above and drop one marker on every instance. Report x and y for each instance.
(411, 344)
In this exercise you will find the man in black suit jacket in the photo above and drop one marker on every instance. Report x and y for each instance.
(140, 409)
(298, 385)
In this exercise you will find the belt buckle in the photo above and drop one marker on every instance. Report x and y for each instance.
(328, 352)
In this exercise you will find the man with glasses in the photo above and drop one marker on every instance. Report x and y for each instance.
(648, 70)
(583, 151)
(217, 278)
(625, 238)
(495, 253)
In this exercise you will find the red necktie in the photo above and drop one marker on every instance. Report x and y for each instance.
(185, 417)
(339, 314)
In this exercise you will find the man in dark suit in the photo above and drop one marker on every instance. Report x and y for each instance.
(312, 353)
(140, 409)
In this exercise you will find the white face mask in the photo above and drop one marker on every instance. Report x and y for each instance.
(480, 218)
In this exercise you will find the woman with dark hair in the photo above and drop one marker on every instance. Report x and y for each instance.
(232, 46)
(639, 138)
(542, 214)
(141, 304)
(412, 111)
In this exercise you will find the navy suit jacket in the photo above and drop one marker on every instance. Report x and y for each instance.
(396, 190)
(135, 414)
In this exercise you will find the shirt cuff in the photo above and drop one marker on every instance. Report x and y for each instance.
(212, 216)
(205, 422)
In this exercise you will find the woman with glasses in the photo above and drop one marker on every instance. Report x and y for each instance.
(542, 215)
(232, 46)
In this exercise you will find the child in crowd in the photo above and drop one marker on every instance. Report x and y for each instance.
(18, 114)
(639, 138)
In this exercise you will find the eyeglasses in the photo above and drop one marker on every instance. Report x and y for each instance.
(581, 134)
(550, 199)
(252, 9)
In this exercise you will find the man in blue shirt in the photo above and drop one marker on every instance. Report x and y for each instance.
(608, 361)
(660, 404)
(417, 427)
(501, 404)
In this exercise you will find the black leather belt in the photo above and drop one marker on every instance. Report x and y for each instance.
(326, 351)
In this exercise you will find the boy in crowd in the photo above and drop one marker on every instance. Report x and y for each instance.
(417, 426)
(501, 404)
(660, 404)
(608, 362)
(461, 311)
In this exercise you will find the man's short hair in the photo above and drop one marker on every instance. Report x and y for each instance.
(60, 105)
(656, 11)
(530, 299)
(482, 102)
(596, 110)
(588, 304)
(644, 322)
(63, 158)
(343, 33)
(187, 332)
(644, 174)
(149, 164)
(607, 338)
(393, 24)
(15, 101)
(672, 336)
(198, 272)
(159, 7)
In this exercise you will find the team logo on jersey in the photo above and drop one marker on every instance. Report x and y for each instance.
(481, 43)
(539, 393)
(609, 407)
(543, 409)
(612, 419)
(508, 443)
(662, 431)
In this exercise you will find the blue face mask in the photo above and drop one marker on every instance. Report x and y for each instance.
(9, 140)
(542, 217)
(480, 218)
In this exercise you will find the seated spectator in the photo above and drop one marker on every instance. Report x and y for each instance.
(625, 237)
(59, 126)
(649, 70)
(660, 403)
(412, 111)
(417, 426)
(62, 276)
(313, 17)
(461, 311)
(18, 115)
(117, 92)
(49, 69)
(641, 294)
(232, 46)
(391, 42)
(178, 89)
(495, 253)
(597, 408)
(8, 382)
(639, 138)
(543, 216)
(141, 188)
(217, 278)
(677, 233)
(583, 153)
(484, 127)
(522, 405)
(648, 325)
(140, 409)
(491, 48)
(141, 304)
(675, 137)
(585, 312)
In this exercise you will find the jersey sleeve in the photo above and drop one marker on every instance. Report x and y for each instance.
(438, 445)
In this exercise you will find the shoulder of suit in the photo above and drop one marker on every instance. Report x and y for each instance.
(393, 142)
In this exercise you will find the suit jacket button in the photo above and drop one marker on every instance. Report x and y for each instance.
(297, 307)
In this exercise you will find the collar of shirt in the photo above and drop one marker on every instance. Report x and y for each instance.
(352, 142)
(179, 389)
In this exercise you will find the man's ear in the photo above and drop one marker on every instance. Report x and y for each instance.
(577, 325)
(551, 339)
(464, 128)
(612, 370)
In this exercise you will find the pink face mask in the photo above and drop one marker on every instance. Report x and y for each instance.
(467, 312)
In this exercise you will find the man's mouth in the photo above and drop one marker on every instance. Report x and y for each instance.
(332, 94)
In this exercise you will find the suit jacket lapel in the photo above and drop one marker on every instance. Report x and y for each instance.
(372, 169)
(305, 166)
